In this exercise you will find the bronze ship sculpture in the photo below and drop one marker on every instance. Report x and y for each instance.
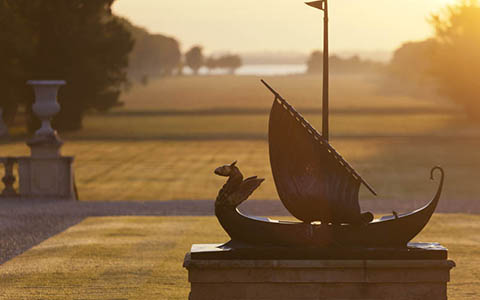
(316, 185)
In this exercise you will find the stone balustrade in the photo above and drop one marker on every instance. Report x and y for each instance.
(9, 177)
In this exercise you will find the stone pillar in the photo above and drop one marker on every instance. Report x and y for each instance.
(46, 173)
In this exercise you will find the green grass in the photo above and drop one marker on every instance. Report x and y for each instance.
(255, 126)
(142, 152)
(171, 170)
(207, 92)
(141, 258)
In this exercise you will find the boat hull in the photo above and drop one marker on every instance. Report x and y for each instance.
(391, 231)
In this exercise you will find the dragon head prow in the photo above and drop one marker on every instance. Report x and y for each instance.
(226, 170)
(235, 190)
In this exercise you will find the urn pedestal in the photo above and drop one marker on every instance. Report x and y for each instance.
(46, 173)
(216, 272)
(46, 178)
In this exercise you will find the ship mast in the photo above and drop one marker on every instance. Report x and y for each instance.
(323, 5)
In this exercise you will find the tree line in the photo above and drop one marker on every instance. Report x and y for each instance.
(153, 55)
(195, 59)
(80, 41)
(83, 42)
(447, 62)
(156, 55)
(450, 59)
(97, 53)
(340, 65)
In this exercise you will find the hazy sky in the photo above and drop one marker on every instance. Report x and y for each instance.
(283, 25)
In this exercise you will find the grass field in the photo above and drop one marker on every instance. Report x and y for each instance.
(170, 135)
(246, 92)
(171, 170)
(141, 258)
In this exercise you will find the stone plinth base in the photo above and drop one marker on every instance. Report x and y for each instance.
(45, 146)
(216, 279)
(46, 177)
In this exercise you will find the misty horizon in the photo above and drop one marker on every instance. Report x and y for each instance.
(220, 26)
(291, 57)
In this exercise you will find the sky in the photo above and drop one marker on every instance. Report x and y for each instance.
(241, 26)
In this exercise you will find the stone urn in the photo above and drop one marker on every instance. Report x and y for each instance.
(45, 142)
(46, 174)
(46, 105)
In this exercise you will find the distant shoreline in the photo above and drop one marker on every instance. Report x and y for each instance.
(257, 69)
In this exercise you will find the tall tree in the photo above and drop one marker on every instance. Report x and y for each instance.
(15, 51)
(194, 58)
(76, 40)
(456, 55)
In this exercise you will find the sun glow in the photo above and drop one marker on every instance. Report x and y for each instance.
(284, 25)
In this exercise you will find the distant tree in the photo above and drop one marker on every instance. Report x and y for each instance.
(76, 40)
(411, 61)
(194, 59)
(315, 62)
(180, 66)
(340, 65)
(229, 62)
(408, 73)
(153, 54)
(455, 60)
(159, 55)
(211, 63)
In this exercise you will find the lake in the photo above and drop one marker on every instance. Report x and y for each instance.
(263, 70)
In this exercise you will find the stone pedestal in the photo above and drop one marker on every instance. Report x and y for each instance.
(46, 173)
(45, 146)
(46, 177)
(234, 278)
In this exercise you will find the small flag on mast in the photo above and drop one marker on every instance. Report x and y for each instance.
(317, 4)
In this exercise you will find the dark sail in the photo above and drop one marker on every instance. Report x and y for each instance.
(313, 181)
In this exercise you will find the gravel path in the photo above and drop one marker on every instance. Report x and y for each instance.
(26, 223)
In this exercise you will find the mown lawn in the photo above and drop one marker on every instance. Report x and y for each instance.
(141, 258)
(169, 137)
(171, 170)
(231, 126)
(361, 91)
(152, 150)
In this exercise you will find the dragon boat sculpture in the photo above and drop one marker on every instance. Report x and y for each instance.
(318, 187)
